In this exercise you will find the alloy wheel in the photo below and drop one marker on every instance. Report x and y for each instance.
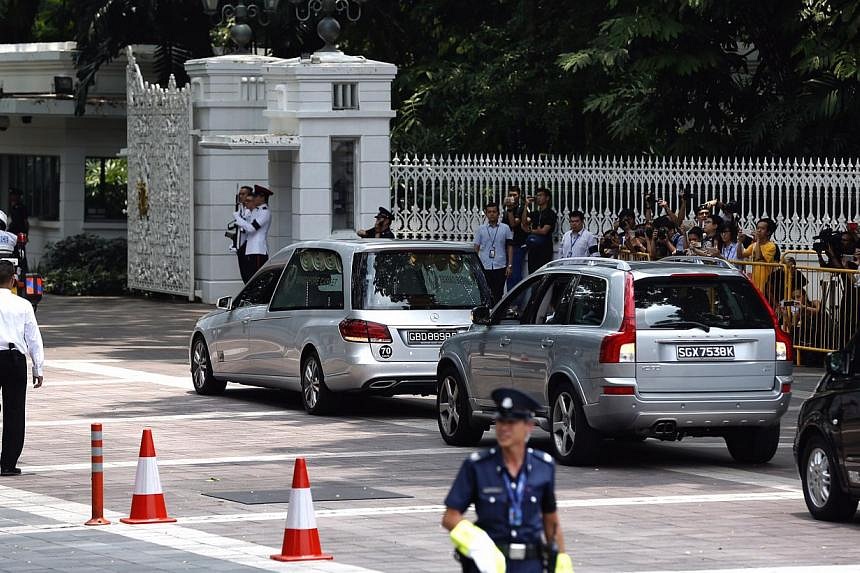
(449, 395)
(818, 477)
(200, 359)
(563, 423)
(311, 386)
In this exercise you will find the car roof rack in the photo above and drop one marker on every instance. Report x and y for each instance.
(699, 260)
(591, 262)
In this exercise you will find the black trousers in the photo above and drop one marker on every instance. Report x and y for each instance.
(539, 257)
(252, 265)
(496, 280)
(13, 381)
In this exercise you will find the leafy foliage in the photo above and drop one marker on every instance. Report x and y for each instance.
(85, 264)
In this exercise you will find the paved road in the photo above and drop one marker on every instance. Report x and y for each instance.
(645, 507)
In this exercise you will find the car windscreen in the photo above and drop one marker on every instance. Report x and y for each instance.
(685, 302)
(419, 279)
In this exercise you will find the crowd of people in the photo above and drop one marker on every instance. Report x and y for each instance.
(517, 239)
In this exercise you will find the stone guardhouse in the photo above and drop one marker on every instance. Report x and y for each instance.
(314, 130)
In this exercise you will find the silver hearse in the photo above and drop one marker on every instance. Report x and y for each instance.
(334, 316)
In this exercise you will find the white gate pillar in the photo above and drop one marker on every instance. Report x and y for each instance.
(339, 106)
(228, 95)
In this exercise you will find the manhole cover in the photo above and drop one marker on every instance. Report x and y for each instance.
(319, 493)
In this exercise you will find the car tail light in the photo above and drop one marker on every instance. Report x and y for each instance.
(785, 388)
(353, 330)
(619, 390)
(621, 346)
(784, 349)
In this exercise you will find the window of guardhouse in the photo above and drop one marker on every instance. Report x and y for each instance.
(106, 196)
(343, 170)
(38, 178)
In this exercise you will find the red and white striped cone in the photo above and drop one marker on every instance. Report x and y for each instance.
(147, 503)
(301, 537)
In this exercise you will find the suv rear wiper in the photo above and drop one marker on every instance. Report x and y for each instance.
(681, 323)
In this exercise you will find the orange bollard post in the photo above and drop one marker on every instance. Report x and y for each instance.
(98, 476)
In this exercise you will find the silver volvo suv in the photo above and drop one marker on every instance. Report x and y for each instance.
(665, 349)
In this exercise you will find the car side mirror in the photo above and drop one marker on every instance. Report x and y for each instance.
(481, 315)
(224, 302)
(837, 363)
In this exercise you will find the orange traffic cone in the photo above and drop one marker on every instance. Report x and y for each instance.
(301, 537)
(147, 503)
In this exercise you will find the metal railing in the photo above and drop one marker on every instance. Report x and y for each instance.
(444, 197)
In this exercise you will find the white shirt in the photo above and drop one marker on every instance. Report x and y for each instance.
(7, 243)
(18, 326)
(582, 244)
(256, 229)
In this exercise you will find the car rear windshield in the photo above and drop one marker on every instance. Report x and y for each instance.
(419, 279)
(699, 302)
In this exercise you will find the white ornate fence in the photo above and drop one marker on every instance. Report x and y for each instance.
(160, 193)
(443, 197)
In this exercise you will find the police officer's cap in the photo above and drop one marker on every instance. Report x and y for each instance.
(384, 214)
(260, 191)
(512, 404)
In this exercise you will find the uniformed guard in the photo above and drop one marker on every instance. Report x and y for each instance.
(256, 228)
(513, 490)
(382, 228)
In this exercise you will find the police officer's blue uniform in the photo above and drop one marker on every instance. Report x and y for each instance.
(509, 508)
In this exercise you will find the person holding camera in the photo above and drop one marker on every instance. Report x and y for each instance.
(243, 208)
(666, 240)
(761, 250)
(541, 223)
(514, 214)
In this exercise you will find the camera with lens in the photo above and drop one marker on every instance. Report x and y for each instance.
(686, 194)
(649, 232)
(662, 233)
(827, 237)
(650, 200)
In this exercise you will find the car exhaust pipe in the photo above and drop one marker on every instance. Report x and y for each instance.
(665, 430)
(382, 384)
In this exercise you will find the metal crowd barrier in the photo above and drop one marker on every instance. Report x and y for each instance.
(818, 306)
(626, 255)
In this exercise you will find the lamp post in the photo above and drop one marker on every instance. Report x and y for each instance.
(328, 27)
(241, 32)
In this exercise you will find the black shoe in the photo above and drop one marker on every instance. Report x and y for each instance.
(10, 472)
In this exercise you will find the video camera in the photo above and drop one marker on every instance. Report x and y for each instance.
(827, 237)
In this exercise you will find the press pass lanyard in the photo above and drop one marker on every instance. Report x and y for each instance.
(515, 496)
(573, 244)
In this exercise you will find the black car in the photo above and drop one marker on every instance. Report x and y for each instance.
(827, 444)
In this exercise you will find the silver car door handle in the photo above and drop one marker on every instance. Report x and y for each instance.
(546, 342)
(505, 340)
(246, 320)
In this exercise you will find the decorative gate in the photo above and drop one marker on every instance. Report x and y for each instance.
(160, 186)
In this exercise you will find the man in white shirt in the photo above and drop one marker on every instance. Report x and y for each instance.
(256, 229)
(579, 241)
(245, 199)
(19, 334)
(494, 243)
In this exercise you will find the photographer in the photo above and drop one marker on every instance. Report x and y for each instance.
(666, 239)
(727, 241)
(514, 211)
(761, 250)
(610, 244)
(541, 223)
(838, 247)
(626, 222)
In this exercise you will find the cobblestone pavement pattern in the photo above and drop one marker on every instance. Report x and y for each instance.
(123, 362)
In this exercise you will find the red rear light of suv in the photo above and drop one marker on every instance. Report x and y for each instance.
(784, 348)
(621, 346)
(353, 330)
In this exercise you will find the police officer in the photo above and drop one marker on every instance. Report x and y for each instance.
(243, 209)
(8, 240)
(19, 333)
(513, 489)
(256, 228)
(382, 228)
